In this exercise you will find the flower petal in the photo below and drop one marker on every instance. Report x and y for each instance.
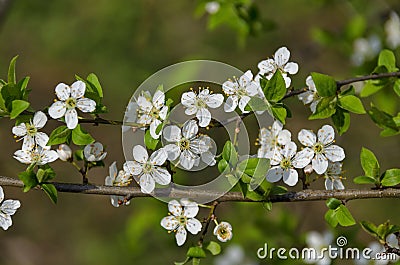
(173, 151)
(204, 117)
(140, 154)
(71, 118)
(39, 120)
(191, 110)
(153, 128)
(291, 68)
(307, 97)
(158, 99)
(29, 143)
(1, 194)
(282, 56)
(328, 184)
(19, 130)
(275, 174)
(290, 177)
(158, 157)
(9, 207)
(267, 66)
(78, 89)
(326, 134)
(163, 113)
(337, 184)
(284, 137)
(86, 104)
(289, 150)
(334, 153)
(208, 158)
(307, 138)
(5, 221)
(57, 109)
(175, 208)
(188, 99)
(187, 159)
(230, 87)
(189, 129)
(172, 133)
(63, 91)
(319, 163)
(23, 156)
(191, 209)
(41, 139)
(243, 103)
(146, 183)
(287, 79)
(231, 103)
(144, 103)
(169, 222)
(132, 167)
(48, 157)
(193, 226)
(180, 236)
(161, 176)
(214, 100)
(303, 158)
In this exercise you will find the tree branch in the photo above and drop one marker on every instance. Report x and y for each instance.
(366, 77)
(293, 196)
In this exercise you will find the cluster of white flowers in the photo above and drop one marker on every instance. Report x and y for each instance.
(323, 155)
(117, 178)
(7, 209)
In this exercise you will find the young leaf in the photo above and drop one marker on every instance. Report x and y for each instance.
(369, 163)
(387, 59)
(326, 107)
(382, 119)
(29, 179)
(51, 191)
(11, 71)
(275, 88)
(325, 85)
(279, 113)
(80, 137)
(257, 104)
(391, 177)
(344, 216)
(18, 106)
(149, 141)
(369, 228)
(229, 153)
(341, 120)
(396, 87)
(364, 180)
(222, 165)
(370, 88)
(333, 203)
(59, 135)
(196, 252)
(92, 78)
(214, 248)
(330, 218)
(352, 104)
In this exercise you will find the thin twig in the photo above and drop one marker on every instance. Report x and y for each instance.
(210, 218)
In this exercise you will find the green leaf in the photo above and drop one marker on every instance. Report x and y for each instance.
(29, 179)
(341, 120)
(370, 88)
(391, 177)
(369, 163)
(344, 216)
(330, 218)
(222, 165)
(279, 113)
(267, 205)
(12, 79)
(183, 262)
(326, 107)
(352, 104)
(369, 227)
(196, 261)
(278, 190)
(80, 137)
(230, 154)
(45, 173)
(257, 104)
(214, 248)
(364, 180)
(51, 191)
(333, 203)
(149, 141)
(196, 252)
(18, 106)
(92, 78)
(325, 85)
(387, 59)
(382, 119)
(275, 88)
(60, 135)
(259, 173)
(396, 87)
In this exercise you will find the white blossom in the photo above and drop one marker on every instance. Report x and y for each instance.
(223, 231)
(392, 28)
(322, 149)
(7, 209)
(187, 145)
(271, 140)
(239, 92)
(199, 103)
(147, 169)
(182, 219)
(151, 110)
(71, 97)
(94, 152)
(279, 62)
(333, 178)
(64, 152)
(120, 179)
(38, 155)
(318, 242)
(29, 132)
(212, 7)
(311, 95)
(284, 163)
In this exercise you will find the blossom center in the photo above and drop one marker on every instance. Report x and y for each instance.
(182, 220)
(200, 103)
(36, 157)
(318, 148)
(31, 129)
(147, 168)
(241, 92)
(70, 103)
(184, 144)
(286, 163)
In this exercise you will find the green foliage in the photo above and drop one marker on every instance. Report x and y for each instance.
(391, 177)
(60, 135)
(388, 60)
(275, 88)
(80, 137)
(369, 163)
(149, 141)
(50, 191)
(12, 78)
(326, 107)
(230, 154)
(341, 120)
(381, 231)
(18, 106)
(29, 179)
(214, 248)
(351, 103)
(94, 91)
(325, 85)
(338, 214)
(384, 120)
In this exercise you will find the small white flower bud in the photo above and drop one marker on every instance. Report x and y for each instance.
(308, 169)
(64, 152)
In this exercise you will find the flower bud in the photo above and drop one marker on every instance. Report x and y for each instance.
(308, 169)
(223, 231)
(64, 152)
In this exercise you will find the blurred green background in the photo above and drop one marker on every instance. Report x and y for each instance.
(124, 42)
